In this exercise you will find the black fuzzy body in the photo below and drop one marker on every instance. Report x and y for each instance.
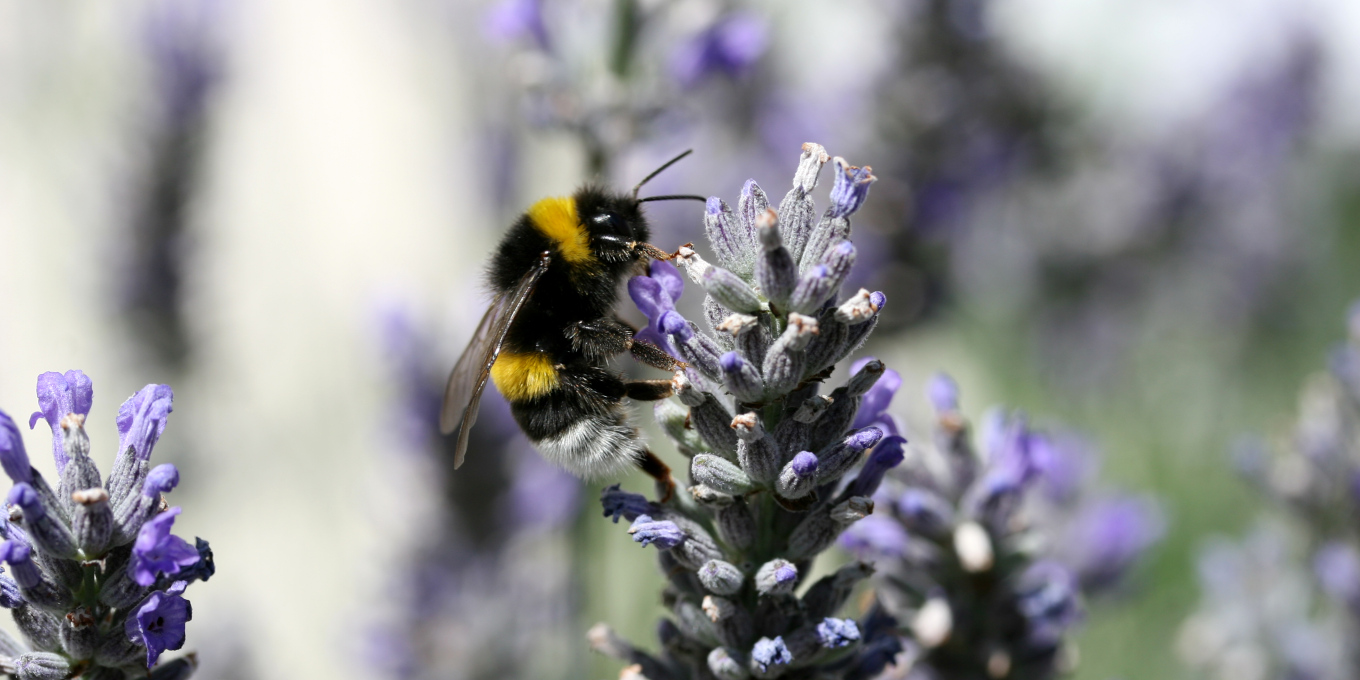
(571, 296)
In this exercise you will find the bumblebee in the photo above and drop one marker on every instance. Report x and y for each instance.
(551, 328)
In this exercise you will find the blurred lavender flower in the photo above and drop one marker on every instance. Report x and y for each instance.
(183, 44)
(771, 487)
(727, 47)
(517, 19)
(985, 571)
(485, 589)
(1244, 610)
(96, 578)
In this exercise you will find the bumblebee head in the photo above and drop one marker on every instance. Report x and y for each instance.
(614, 224)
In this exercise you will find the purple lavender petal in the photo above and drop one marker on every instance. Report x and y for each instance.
(670, 279)
(157, 551)
(142, 419)
(875, 536)
(158, 623)
(13, 455)
(58, 395)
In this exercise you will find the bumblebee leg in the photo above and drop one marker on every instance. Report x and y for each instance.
(648, 390)
(651, 355)
(665, 484)
(652, 251)
(600, 339)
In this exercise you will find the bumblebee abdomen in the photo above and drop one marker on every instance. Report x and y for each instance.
(524, 376)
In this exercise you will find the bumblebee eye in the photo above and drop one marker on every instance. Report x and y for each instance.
(612, 224)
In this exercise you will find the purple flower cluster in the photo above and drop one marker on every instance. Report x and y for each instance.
(489, 575)
(96, 580)
(985, 554)
(778, 470)
(1294, 605)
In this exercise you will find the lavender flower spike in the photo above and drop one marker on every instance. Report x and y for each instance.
(89, 569)
(764, 499)
(59, 395)
(949, 528)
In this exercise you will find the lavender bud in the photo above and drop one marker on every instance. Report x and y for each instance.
(769, 656)
(837, 633)
(664, 534)
(776, 273)
(714, 424)
(80, 472)
(720, 474)
(716, 314)
(721, 578)
(821, 527)
(730, 290)
(710, 497)
(41, 629)
(776, 577)
(829, 593)
(36, 590)
(886, 456)
(79, 635)
(92, 521)
(686, 391)
(737, 525)
(812, 408)
(732, 623)
(757, 452)
(47, 531)
(799, 477)
(730, 240)
(752, 203)
(695, 623)
(674, 421)
(857, 309)
(696, 348)
(784, 364)
(693, 263)
(797, 209)
(13, 455)
(974, 547)
(840, 458)
(603, 640)
(831, 344)
(850, 189)
(724, 667)
(863, 380)
(822, 281)
(741, 378)
(41, 666)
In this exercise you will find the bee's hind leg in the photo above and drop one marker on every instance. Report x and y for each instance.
(648, 390)
(651, 355)
(665, 484)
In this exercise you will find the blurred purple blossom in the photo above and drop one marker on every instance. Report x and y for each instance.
(728, 47)
(510, 20)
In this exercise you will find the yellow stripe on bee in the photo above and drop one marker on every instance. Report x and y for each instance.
(556, 218)
(521, 377)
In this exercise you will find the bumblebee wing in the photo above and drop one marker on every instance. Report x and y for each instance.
(463, 394)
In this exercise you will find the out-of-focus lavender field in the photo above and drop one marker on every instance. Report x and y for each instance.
(1135, 222)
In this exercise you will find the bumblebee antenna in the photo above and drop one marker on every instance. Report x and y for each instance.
(658, 171)
(674, 197)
